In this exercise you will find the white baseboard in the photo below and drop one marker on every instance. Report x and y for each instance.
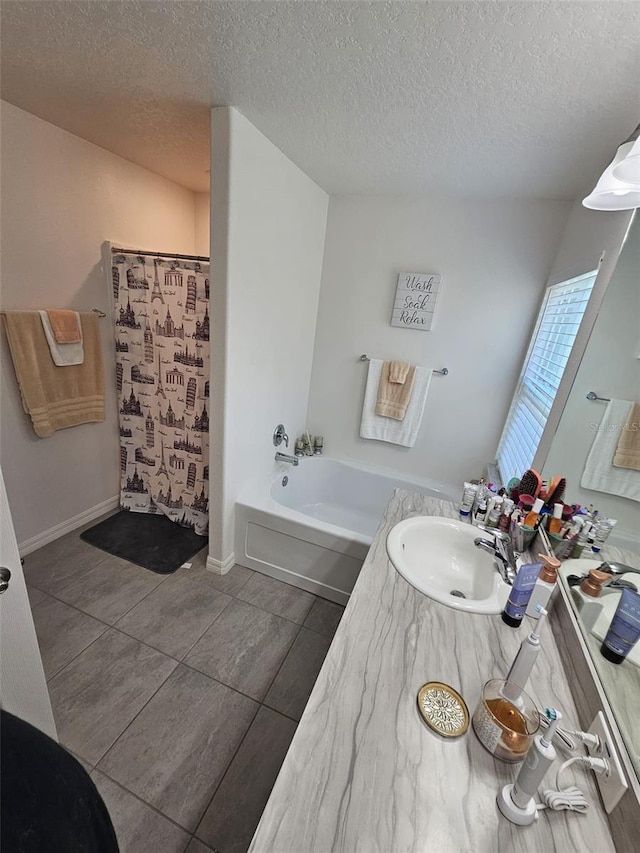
(220, 567)
(67, 526)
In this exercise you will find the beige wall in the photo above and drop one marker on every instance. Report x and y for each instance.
(62, 198)
(494, 257)
(267, 243)
(202, 221)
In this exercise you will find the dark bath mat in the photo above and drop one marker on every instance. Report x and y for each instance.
(150, 541)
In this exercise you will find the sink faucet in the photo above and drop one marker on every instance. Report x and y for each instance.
(502, 550)
(617, 568)
(615, 584)
(284, 457)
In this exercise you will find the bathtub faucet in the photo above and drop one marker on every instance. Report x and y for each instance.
(284, 457)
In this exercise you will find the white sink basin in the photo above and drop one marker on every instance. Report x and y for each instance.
(437, 556)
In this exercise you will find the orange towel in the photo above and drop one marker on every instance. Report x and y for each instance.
(65, 326)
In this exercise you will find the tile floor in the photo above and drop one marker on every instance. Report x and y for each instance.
(179, 693)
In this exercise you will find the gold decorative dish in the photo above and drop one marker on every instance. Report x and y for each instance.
(443, 709)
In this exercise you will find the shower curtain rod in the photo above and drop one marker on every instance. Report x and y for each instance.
(159, 254)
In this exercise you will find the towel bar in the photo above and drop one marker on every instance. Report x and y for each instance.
(593, 396)
(443, 372)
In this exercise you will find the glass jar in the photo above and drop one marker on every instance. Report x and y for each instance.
(505, 720)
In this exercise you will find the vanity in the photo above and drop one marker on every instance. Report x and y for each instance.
(364, 773)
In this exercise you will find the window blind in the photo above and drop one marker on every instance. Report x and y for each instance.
(557, 325)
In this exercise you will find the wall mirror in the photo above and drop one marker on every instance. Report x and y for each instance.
(611, 368)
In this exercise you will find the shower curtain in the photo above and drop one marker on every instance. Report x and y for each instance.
(162, 376)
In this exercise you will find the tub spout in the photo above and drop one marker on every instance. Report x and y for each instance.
(284, 457)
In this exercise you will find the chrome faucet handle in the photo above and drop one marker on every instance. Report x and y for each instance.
(612, 568)
(280, 435)
(499, 535)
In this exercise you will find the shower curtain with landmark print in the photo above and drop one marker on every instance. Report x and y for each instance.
(162, 375)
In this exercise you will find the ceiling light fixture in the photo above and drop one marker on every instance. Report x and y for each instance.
(619, 186)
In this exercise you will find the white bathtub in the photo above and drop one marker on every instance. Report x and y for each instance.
(315, 531)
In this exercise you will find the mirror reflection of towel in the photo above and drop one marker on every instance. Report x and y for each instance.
(627, 453)
(599, 473)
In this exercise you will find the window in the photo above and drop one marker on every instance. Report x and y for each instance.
(558, 322)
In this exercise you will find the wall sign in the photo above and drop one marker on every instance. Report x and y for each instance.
(416, 300)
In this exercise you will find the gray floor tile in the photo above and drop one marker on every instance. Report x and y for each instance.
(52, 567)
(175, 752)
(36, 596)
(140, 829)
(174, 616)
(244, 648)
(88, 767)
(196, 846)
(63, 632)
(97, 695)
(234, 813)
(231, 583)
(293, 684)
(324, 617)
(277, 597)
(110, 589)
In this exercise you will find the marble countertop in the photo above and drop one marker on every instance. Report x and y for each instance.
(364, 774)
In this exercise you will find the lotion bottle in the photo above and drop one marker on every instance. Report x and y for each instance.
(555, 522)
(516, 801)
(520, 594)
(533, 515)
(544, 586)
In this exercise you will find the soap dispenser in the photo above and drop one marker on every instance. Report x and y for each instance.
(545, 584)
(586, 597)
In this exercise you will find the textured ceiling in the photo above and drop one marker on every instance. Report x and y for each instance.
(465, 98)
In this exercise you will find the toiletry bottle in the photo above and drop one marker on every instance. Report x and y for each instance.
(494, 513)
(505, 519)
(587, 595)
(480, 495)
(520, 594)
(544, 586)
(555, 523)
(581, 540)
(466, 504)
(516, 801)
(533, 515)
(523, 662)
(481, 512)
(624, 631)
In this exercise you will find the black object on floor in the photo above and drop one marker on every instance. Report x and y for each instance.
(150, 541)
(49, 802)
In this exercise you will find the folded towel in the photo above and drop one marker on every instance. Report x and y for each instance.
(55, 398)
(399, 371)
(386, 429)
(62, 354)
(599, 473)
(65, 325)
(394, 395)
(627, 453)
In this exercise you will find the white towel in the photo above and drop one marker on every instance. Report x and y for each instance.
(599, 473)
(387, 429)
(62, 354)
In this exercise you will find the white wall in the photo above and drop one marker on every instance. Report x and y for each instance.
(62, 198)
(609, 365)
(269, 223)
(494, 257)
(202, 222)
